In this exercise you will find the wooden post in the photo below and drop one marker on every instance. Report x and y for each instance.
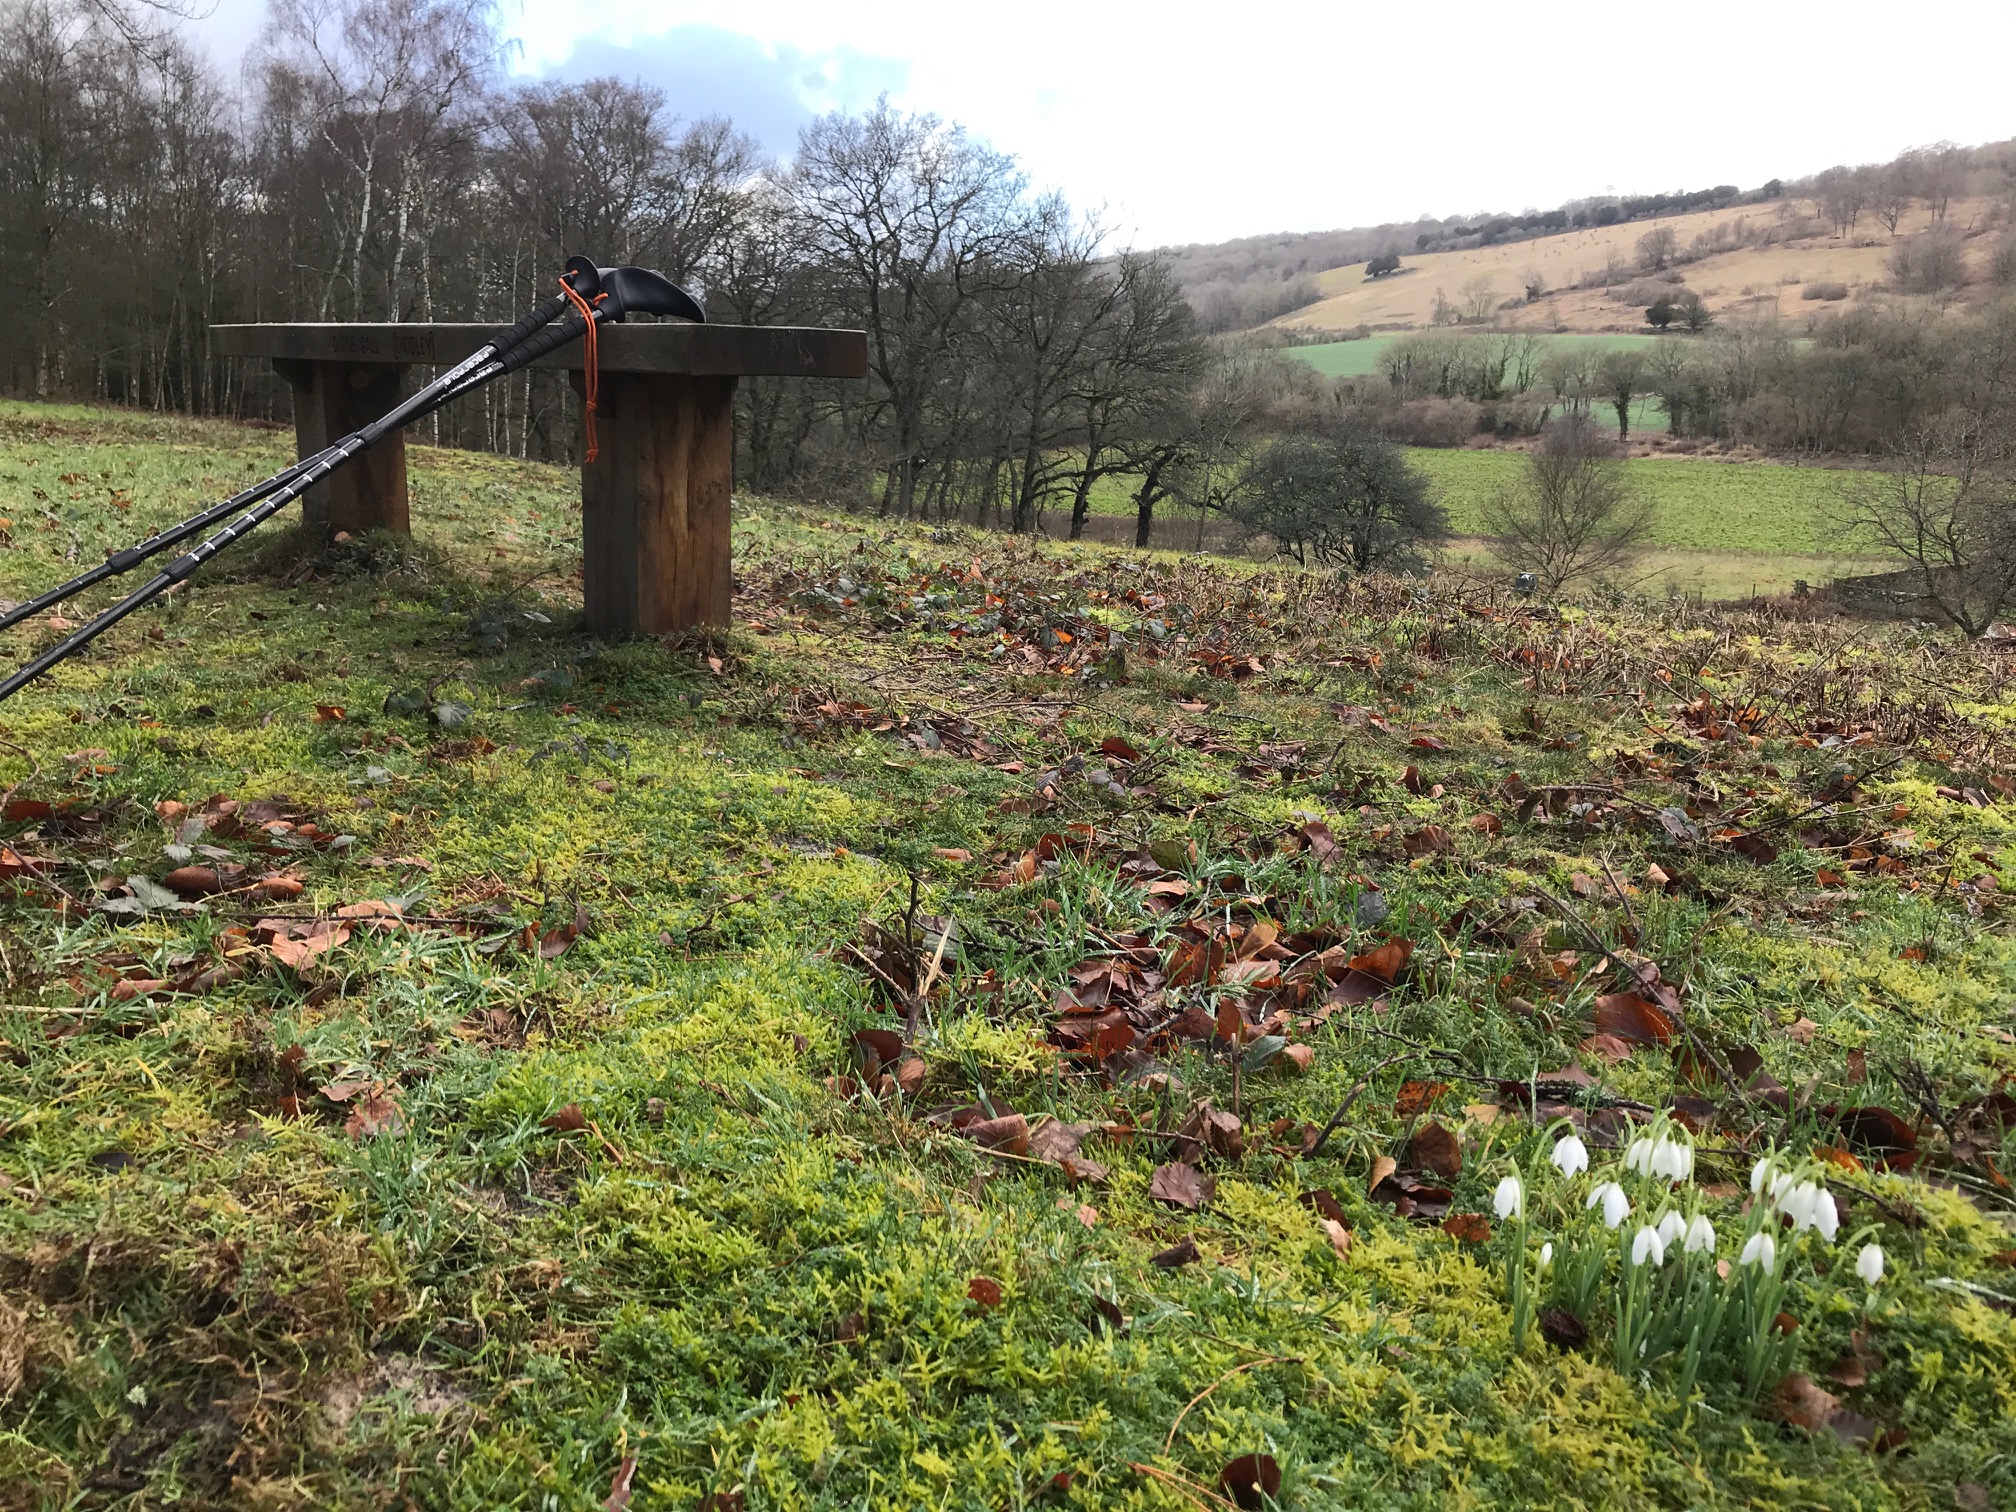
(332, 399)
(654, 504)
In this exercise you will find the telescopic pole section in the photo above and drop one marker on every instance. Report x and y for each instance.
(479, 368)
(449, 386)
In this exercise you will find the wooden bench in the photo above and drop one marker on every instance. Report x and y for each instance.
(654, 503)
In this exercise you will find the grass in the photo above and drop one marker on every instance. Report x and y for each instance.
(472, 1209)
(1359, 359)
(1718, 529)
(1759, 507)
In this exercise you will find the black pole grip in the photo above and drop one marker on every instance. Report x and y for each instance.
(539, 315)
(551, 339)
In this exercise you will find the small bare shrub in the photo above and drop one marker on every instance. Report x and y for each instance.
(2002, 262)
(1929, 263)
(1433, 422)
(1827, 291)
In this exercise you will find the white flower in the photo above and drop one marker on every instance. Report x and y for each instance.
(1700, 1236)
(1758, 1173)
(1762, 1250)
(1671, 1227)
(1647, 1245)
(1547, 1258)
(1570, 1156)
(1673, 1159)
(1868, 1264)
(1808, 1205)
(1616, 1206)
(1826, 1217)
(1665, 1156)
(1509, 1201)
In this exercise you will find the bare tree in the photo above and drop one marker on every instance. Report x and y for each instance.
(1620, 376)
(915, 219)
(1573, 513)
(1945, 504)
(371, 87)
(1142, 365)
(1480, 299)
(1842, 193)
(1656, 248)
(1890, 195)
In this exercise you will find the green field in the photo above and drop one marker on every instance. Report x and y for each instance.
(1357, 359)
(1711, 506)
(1722, 506)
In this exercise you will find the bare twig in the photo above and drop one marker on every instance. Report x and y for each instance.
(1169, 1442)
(1352, 1096)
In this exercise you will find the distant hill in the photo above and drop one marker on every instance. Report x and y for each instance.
(1285, 277)
(1780, 256)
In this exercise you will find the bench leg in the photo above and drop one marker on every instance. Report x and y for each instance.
(332, 399)
(654, 504)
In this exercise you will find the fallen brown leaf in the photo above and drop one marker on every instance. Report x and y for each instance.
(1435, 1148)
(1176, 1256)
(1802, 1404)
(1181, 1185)
(619, 1485)
(1251, 1480)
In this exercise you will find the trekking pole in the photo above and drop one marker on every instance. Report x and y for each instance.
(618, 292)
(450, 385)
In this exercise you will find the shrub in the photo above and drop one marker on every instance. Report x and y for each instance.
(2002, 262)
(1433, 422)
(1347, 497)
(1929, 263)
(1829, 291)
(1644, 292)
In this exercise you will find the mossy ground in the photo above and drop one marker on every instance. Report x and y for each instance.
(760, 1288)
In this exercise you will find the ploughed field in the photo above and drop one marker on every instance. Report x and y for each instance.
(1004, 1025)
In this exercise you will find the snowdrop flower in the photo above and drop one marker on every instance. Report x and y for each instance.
(1616, 1206)
(1700, 1236)
(1547, 1258)
(1868, 1264)
(1808, 1205)
(1667, 1157)
(1570, 1156)
(1647, 1245)
(1758, 1173)
(1509, 1201)
(1673, 1159)
(1762, 1250)
(1671, 1227)
(1826, 1216)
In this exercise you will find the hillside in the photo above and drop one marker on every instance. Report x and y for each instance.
(1787, 247)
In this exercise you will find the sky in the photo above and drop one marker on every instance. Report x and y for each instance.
(1179, 123)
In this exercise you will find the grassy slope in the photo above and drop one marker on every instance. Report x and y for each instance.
(761, 1285)
(1749, 279)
